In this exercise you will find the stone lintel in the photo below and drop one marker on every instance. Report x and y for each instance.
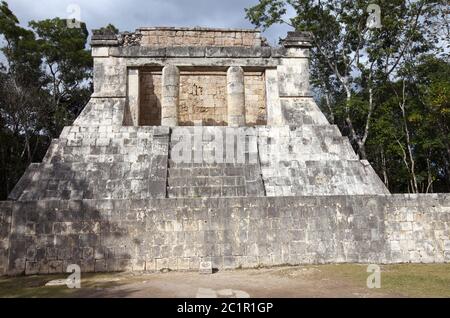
(95, 43)
(203, 29)
(197, 52)
(185, 62)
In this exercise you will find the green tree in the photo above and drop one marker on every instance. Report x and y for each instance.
(347, 56)
(110, 28)
(68, 64)
(44, 84)
(377, 84)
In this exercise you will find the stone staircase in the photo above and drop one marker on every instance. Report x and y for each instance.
(200, 177)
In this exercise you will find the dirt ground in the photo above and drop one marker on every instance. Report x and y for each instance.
(262, 283)
(328, 281)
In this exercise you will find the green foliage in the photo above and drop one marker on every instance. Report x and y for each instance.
(21, 50)
(68, 65)
(386, 88)
(44, 85)
(110, 28)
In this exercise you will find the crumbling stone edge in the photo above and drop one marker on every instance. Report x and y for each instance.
(44, 237)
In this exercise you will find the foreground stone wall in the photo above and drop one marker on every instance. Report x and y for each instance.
(418, 228)
(114, 235)
(5, 227)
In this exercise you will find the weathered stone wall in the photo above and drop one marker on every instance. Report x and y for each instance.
(203, 98)
(100, 162)
(121, 162)
(255, 98)
(111, 197)
(418, 228)
(5, 229)
(110, 76)
(102, 112)
(287, 68)
(313, 160)
(112, 235)
(164, 37)
(150, 98)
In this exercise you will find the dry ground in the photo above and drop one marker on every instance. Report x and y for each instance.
(349, 280)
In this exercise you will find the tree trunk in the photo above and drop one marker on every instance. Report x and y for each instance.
(384, 169)
(402, 105)
(330, 109)
(353, 136)
(430, 178)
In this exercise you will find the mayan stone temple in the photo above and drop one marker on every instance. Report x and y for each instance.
(204, 145)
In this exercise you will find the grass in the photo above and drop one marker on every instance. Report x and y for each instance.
(31, 286)
(432, 280)
(34, 286)
(409, 280)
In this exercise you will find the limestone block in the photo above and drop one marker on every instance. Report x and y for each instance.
(301, 111)
(274, 116)
(110, 77)
(100, 52)
(174, 37)
(170, 96)
(133, 95)
(236, 96)
(245, 232)
(293, 78)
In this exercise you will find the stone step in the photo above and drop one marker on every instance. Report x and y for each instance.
(102, 154)
(230, 177)
(78, 181)
(213, 171)
(215, 180)
(116, 131)
(297, 151)
(130, 145)
(325, 177)
(303, 144)
(192, 192)
(206, 181)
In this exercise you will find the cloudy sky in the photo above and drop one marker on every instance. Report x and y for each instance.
(131, 14)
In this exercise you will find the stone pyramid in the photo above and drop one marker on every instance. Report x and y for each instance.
(112, 152)
(204, 148)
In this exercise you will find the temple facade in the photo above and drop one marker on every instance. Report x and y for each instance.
(159, 87)
(206, 145)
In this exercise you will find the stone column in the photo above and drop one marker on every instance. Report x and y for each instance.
(170, 96)
(236, 96)
(133, 96)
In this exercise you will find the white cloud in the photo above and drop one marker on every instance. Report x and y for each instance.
(129, 15)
